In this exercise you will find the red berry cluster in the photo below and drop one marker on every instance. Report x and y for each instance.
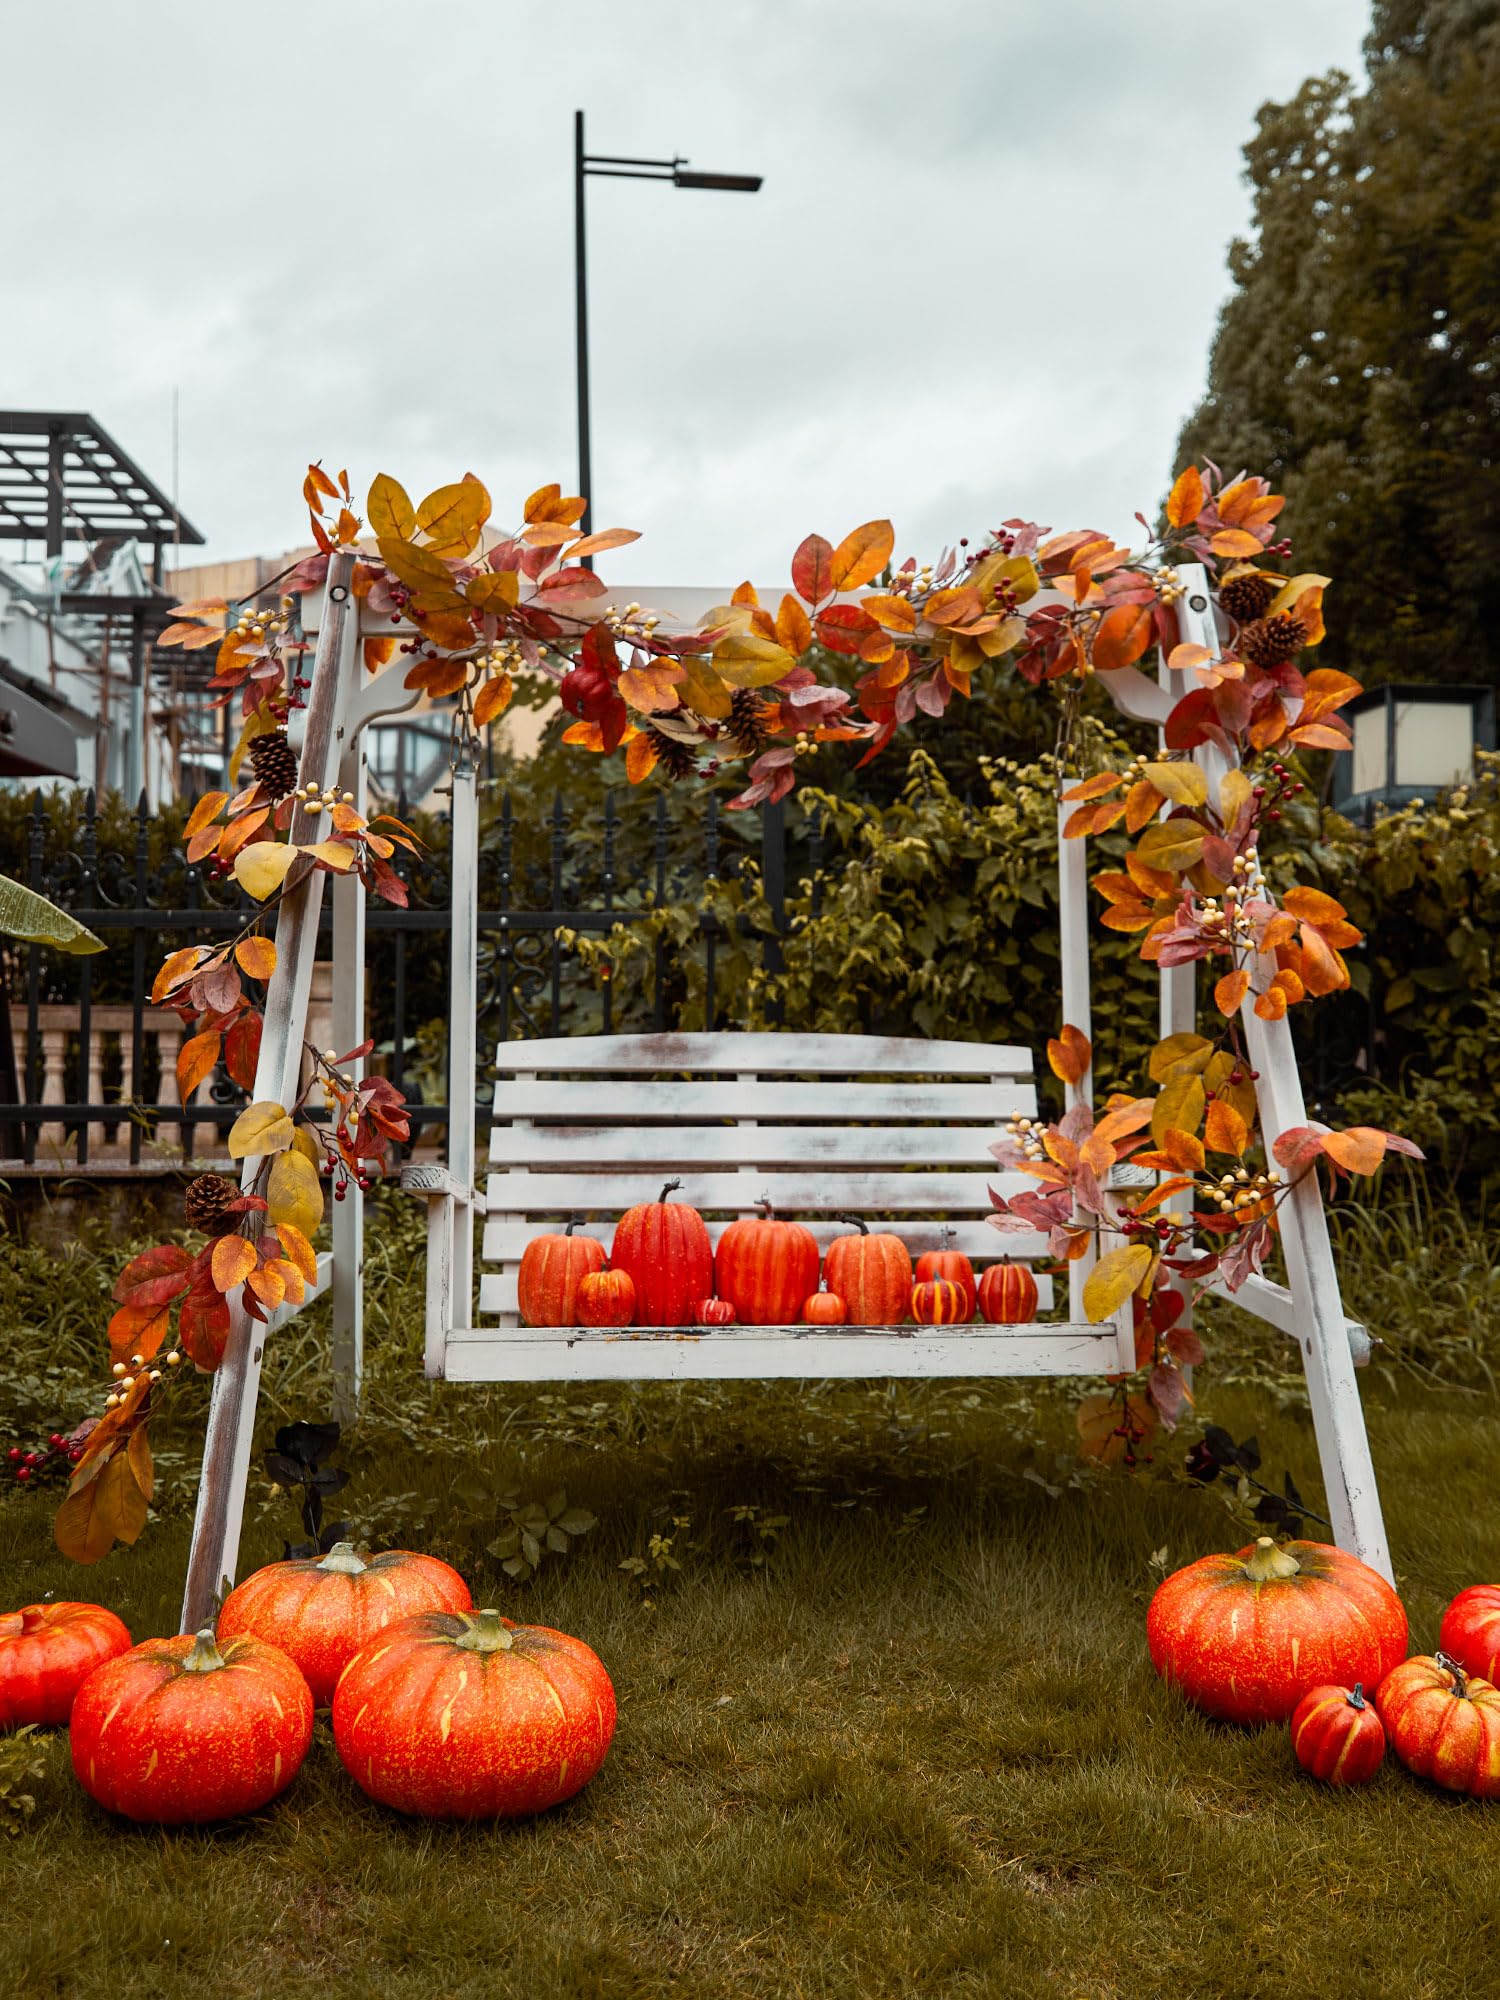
(58, 1458)
(1278, 791)
(342, 1176)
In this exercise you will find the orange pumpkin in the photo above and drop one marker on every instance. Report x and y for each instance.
(1246, 1636)
(1444, 1724)
(320, 1611)
(606, 1298)
(663, 1246)
(551, 1270)
(952, 1265)
(1336, 1735)
(467, 1716)
(823, 1309)
(1008, 1295)
(1470, 1631)
(766, 1267)
(872, 1275)
(47, 1652)
(939, 1302)
(182, 1731)
(714, 1312)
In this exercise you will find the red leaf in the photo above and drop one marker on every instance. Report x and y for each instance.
(812, 570)
(203, 1328)
(154, 1278)
(1122, 637)
(842, 626)
(242, 1049)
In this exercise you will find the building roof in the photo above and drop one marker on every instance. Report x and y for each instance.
(64, 479)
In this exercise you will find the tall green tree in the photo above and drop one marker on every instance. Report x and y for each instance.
(1357, 361)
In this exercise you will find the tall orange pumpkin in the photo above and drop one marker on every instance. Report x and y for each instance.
(663, 1246)
(321, 1610)
(551, 1269)
(467, 1716)
(1008, 1294)
(872, 1275)
(765, 1267)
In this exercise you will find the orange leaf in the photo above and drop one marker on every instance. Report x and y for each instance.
(1234, 542)
(1185, 501)
(1097, 787)
(241, 830)
(607, 538)
(204, 841)
(208, 808)
(138, 1330)
(377, 653)
(256, 957)
(1320, 735)
(1231, 990)
(1225, 1131)
(793, 627)
(1142, 802)
(1069, 1054)
(1311, 906)
(1183, 1149)
(268, 1285)
(1324, 971)
(1358, 1151)
(1271, 1006)
(896, 613)
(195, 1061)
(297, 1249)
(1122, 636)
(317, 481)
(862, 555)
(176, 969)
(232, 1262)
(640, 759)
(493, 699)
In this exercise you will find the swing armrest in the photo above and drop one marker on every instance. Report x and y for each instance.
(436, 1182)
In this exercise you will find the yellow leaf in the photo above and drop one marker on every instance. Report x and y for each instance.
(261, 723)
(1179, 1107)
(263, 1127)
(208, 808)
(703, 692)
(334, 854)
(1113, 1279)
(232, 1261)
(260, 869)
(1018, 571)
(110, 1508)
(1234, 790)
(1171, 845)
(304, 1143)
(651, 689)
(1226, 1131)
(1185, 501)
(862, 555)
(747, 661)
(294, 1193)
(452, 516)
(496, 591)
(1183, 784)
(298, 1250)
(389, 510)
(1183, 1054)
(256, 957)
(138, 1458)
(1234, 542)
(493, 699)
(1298, 586)
(422, 571)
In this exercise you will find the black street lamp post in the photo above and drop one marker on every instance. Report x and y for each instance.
(608, 166)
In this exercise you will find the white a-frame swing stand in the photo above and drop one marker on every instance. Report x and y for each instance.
(828, 1127)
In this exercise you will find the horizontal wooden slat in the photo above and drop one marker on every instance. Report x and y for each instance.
(811, 1192)
(837, 1146)
(777, 1055)
(477, 1355)
(613, 1100)
(506, 1237)
(497, 1289)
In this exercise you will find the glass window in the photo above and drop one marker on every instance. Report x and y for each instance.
(1434, 743)
(1369, 750)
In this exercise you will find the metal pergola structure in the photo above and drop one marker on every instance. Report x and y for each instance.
(64, 479)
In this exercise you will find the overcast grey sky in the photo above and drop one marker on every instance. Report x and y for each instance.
(980, 280)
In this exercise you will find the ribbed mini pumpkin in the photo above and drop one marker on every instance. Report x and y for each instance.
(1008, 1295)
(824, 1308)
(47, 1652)
(606, 1298)
(552, 1268)
(939, 1302)
(952, 1265)
(766, 1267)
(871, 1272)
(1443, 1724)
(664, 1247)
(321, 1610)
(467, 1716)
(1336, 1735)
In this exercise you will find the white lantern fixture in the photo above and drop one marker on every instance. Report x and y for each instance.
(1410, 742)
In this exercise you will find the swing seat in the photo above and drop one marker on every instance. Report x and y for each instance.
(897, 1132)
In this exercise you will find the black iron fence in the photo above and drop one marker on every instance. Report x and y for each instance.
(87, 1064)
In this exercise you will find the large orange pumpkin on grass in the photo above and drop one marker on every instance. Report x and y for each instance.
(551, 1269)
(47, 1652)
(872, 1275)
(183, 1731)
(464, 1715)
(1470, 1631)
(765, 1267)
(320, 1611)
(663, 1246)
(1246, 1636)
(1444, 1724)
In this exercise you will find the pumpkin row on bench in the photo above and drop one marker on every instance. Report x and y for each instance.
(663, 1271)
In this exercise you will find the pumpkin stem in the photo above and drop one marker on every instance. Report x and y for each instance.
(342, 1560)
(1460, 1678)
(1357, 1698)
(668, 1189)
(1268, 1564)
(32, 1619)
(203, 1656)
(570, 1223)
(861, 1226)
(767, 1212)
(486, 1634)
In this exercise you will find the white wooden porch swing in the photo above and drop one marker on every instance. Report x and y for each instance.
(826, 1125)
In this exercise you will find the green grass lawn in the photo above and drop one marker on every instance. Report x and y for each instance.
(916, 1749)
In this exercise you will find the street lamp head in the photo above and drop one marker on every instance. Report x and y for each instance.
(684, 177)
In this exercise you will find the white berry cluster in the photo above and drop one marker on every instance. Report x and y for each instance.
(1027, 1134)
(632, 623)
(125, 1376)
(255, 625)
(1242, 1189)
(320, 798)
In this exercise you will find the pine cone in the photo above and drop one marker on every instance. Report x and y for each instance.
(275, 763)
(1246, 596)
(206, 1202)
(675, 758)
(746, 725)
(1271, 642)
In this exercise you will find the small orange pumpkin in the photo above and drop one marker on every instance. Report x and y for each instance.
(951, 1264)
(823, 1309)
(1336, 1735)
(714, 1312)
(606, 1298)
(1443, 1724)
(1008, 1295)
(552, 1268)
(939, 1302)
